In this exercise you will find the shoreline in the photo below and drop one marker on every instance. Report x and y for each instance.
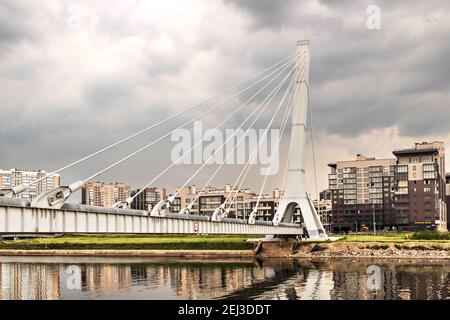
(225, 247)
(368, 257)
(130, 253)
(228, 255)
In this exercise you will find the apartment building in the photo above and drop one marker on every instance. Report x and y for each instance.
(104, 194)
(362, 193)
(148, 198)
(447, 198)
(420, 183)
(14, 177)
(245, 200)
(211, 198)
(324, 210)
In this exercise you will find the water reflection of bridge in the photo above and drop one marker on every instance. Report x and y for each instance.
(268, 279)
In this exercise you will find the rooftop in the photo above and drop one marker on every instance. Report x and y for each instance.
(414, 151)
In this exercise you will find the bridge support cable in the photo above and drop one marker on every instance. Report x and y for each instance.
(14, 191)
(221, 208)
(164, 206)
(243, 175)
(254, 212)
(55, 198)
(127, 202)
(312, 140)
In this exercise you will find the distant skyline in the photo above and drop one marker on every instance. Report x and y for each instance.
(78, 75)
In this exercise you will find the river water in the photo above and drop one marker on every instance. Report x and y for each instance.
(107, 278)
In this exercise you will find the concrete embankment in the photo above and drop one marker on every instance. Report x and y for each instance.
(274, 249)
(404, 250)
(133, 253)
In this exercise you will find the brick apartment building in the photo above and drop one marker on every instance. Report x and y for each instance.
(420, 197)
(406, 192)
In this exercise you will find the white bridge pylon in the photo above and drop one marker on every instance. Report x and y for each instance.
(295, 194)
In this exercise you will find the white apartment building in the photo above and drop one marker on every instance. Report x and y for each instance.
(14, 177)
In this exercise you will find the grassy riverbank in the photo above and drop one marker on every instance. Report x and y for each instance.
(132, 242)
(203, 242)
(393, 237)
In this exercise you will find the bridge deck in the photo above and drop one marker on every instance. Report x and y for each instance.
(16, 216)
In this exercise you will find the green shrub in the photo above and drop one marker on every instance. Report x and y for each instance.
(430, 235)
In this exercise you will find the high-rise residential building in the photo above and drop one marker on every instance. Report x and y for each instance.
(14, 177)
(148, 198)
(447, 198)
(104, 194)
(362, 193)
(420, 186)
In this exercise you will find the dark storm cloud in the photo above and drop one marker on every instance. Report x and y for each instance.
(342, 52)
(106, 96)
(76, 76)
(266, 13)
(13, 23)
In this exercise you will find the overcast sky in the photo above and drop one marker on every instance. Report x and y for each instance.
(78, 75)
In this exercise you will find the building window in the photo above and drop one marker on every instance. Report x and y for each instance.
(429, 175)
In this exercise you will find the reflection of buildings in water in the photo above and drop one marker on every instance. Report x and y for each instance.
(197, 282)
(99, 278)
(319, 284)
(188, 282)
(299, 285)
(421, 283)
(336, 280)
(29, 281)
(38, 281)
(395, 282)
(351, 284)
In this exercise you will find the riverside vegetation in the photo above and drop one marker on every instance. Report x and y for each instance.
(423, 240)
(131, 242)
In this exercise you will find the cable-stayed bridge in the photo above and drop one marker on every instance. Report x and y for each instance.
(288, 84)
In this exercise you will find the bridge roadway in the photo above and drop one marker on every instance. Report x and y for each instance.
(17, 217)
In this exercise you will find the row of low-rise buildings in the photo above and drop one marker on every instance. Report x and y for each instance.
(14, 177)
(242, 201)
(406, 192)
